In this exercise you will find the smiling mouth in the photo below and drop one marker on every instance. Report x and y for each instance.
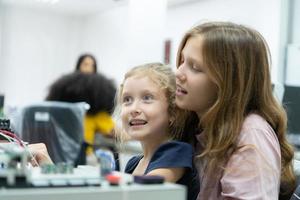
(137, 122)
(180, 91)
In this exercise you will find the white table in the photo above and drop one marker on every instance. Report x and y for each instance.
(106, 192)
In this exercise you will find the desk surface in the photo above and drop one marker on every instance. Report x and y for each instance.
(123, 192)
(105, 191)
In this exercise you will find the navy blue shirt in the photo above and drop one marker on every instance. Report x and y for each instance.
(173, 154)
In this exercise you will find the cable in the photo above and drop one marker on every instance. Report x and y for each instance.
(10, 139)
(31, 155)
(8, 133)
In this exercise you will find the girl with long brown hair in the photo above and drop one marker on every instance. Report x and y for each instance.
(223, 78)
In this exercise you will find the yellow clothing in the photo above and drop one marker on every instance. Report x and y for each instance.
(100, 123)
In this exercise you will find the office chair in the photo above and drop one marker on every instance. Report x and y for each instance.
(57, 124)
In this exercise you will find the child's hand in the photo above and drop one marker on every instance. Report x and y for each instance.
(40, 154)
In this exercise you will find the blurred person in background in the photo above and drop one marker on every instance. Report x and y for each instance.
(94, 89)
(86, 64)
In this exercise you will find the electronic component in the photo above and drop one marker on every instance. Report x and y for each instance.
(61, 175)
(148, 179)
(14, 171)
(113, 178)
(59, 168)
(5, 124)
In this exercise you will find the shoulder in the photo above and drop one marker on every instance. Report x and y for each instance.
(175, 146)
(173, 154)
(257, 130)
(173, 149)
(258, 143)
(255, 121)
(257, 146)
(132, 163)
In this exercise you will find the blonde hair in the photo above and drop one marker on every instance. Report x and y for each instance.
(163, 77)
(238, 62)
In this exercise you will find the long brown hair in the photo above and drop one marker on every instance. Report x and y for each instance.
(238, 62)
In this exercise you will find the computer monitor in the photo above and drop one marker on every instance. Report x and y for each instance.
(291, 101)
(1, 105)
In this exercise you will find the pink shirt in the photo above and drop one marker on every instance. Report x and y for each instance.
(253, 172)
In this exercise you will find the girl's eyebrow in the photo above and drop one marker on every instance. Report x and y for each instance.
(145, 91)
(125, 93)
(149, 91)
(190, 58)
(194, 61)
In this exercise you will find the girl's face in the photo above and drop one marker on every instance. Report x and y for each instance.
(87, 65)
(144, 110)
(195, 89)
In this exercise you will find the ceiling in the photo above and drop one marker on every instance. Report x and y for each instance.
(79, 7)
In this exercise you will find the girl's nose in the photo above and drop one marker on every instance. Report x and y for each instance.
(179, 73)
(135, 113)
(135, 110)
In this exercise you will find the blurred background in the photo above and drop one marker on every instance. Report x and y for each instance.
(40, 40)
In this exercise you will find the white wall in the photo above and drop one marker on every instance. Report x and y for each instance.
(293, 49)
(253, 13)
(1, 46)
(107, 33)
(146, 30)
(106, 36)
(37, 47)
(296, 21)
(120, 40)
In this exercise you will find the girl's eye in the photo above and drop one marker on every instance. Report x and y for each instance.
(127, 99)
(148, 97)
(195, 68)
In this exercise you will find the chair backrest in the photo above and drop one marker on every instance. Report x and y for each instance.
(57, 124)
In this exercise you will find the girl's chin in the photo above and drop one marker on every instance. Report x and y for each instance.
(181, 104)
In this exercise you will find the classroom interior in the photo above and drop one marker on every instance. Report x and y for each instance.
(40, 41)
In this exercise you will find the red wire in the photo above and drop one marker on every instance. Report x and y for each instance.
(8, 133)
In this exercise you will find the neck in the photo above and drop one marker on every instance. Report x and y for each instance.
(150, 146)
